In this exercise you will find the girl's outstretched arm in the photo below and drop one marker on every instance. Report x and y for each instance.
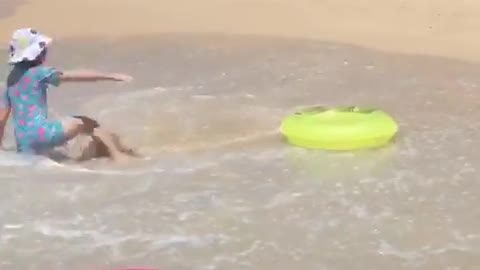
(91, 76)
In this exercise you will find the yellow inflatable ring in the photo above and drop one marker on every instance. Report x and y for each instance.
(343, 128)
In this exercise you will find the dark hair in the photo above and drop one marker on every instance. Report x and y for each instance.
(19, 69)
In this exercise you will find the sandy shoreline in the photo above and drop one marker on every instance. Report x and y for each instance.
(7, 7)
(433, 27)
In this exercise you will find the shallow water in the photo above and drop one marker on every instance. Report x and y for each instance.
(221, 190)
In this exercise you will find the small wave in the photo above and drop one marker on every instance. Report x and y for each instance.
(129, 172)
(103, 237)
(12, 159)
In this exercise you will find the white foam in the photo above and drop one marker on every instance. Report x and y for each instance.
(203, 97)
(13, 159)
(13, 226)
(78, 169)
(104, 237)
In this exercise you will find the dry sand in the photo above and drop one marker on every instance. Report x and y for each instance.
(435, 27)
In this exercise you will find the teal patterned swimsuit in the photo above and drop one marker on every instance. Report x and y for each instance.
(27, 98)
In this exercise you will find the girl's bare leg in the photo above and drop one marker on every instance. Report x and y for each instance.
(103, 140)
(72, 127)
(107, 139)
(123, 147)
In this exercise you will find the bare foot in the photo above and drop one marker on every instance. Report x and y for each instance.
(122, 147)
(120, 158)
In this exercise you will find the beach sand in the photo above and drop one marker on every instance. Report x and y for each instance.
(434, 27)
(7, 7)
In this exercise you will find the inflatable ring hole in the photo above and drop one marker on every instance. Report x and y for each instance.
(321, 109)
(354, 109)
(313, 110)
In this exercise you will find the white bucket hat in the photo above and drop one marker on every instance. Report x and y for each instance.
(26, 45)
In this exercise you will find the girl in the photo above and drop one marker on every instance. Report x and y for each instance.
(26, 98)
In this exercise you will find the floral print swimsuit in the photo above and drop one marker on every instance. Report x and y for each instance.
(27, 98)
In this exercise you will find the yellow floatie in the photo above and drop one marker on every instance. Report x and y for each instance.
(343, 128)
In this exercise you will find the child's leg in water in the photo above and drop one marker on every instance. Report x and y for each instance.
(72, 127)
(107, 139)
(122, 147)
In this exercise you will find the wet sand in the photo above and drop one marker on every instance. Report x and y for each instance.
(436, 27)
(7, 8)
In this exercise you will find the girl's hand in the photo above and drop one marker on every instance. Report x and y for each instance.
(93, 76)
(121, 77)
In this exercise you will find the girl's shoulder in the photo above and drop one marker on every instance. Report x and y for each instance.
(41, 71)
(46, 75)
(28, 74)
